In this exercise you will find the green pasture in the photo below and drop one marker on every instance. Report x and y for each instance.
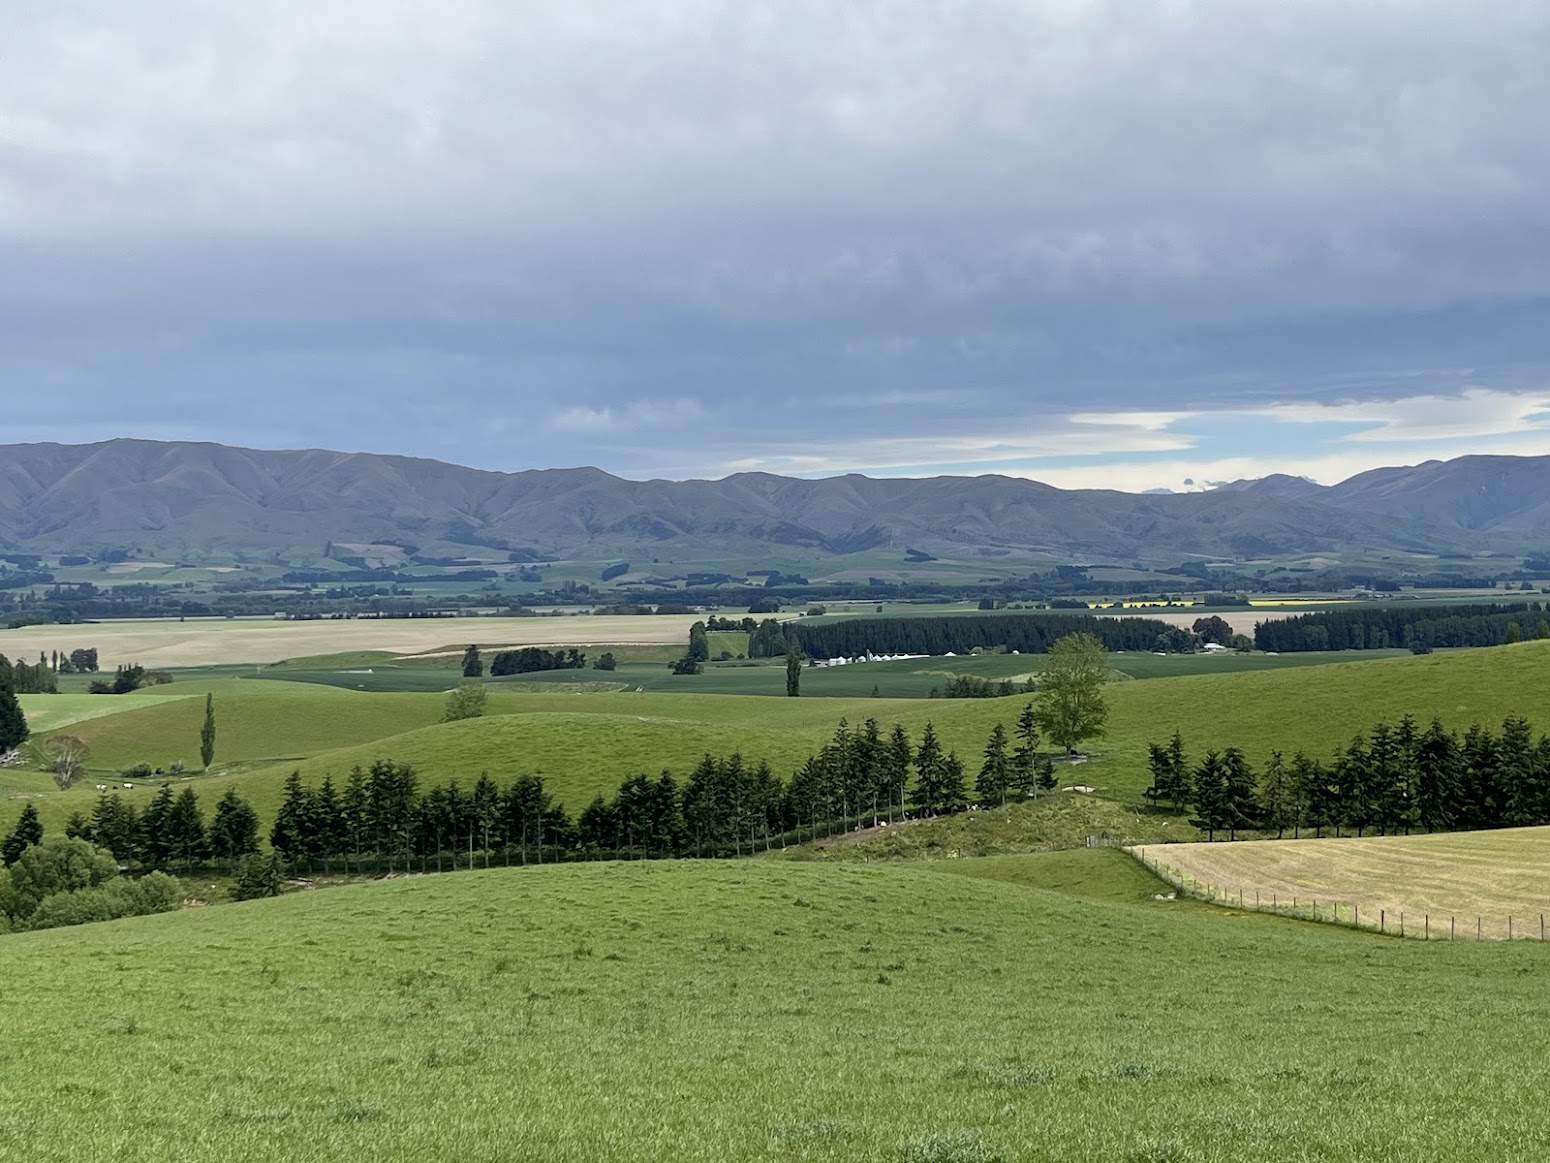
(587, 743)
(755, 1010)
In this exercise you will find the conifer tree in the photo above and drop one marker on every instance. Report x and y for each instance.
(186, 838)
(13, 723)
(929, 762)
(116, 827)
(954, 793)
(473, 665)
(156, 840)
(291, 823)
(995, 775)
(233, 828)
(28, 831)
(1241, 806)
(1210, 794)
(1025, 756)
(896, 760)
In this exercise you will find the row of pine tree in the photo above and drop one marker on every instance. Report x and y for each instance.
(1393, 779)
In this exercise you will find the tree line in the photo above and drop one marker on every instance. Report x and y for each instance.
(1419, 628)
(1392, 779)
(1031, 633)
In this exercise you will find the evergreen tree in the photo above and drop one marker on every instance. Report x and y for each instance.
(28, 831)
(1210, 794)
(326, 830)
(473, 665)
(1241, 807)
(1311, 779)
(953, 794)
(895, 766)
(156, 839)
(13, 723)
(929, 765)
(116, 827)
(1278, 796)
(259, 876)
(995, 775)
(290, 832)
(78, 826)
(186, 838)
(1025, 756)
(233, 828)
(207, 733)
(1439, 775)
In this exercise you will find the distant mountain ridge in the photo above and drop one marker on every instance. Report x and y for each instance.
(197, 499)
(1486, 494)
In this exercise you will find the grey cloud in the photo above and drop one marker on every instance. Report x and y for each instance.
(442, 228)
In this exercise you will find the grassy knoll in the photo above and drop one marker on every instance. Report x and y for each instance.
(760, 1011)
(1466, 875)
(1060, 821)
(589, 743)
(1104, 874)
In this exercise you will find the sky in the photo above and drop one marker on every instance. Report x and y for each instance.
(1099, 244)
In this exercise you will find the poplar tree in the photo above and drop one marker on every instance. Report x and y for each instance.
(473, 665)
(207, 733)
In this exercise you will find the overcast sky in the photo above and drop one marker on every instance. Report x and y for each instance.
(1128, 244)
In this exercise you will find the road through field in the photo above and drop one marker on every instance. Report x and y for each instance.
(210, 641)
(1493, 875)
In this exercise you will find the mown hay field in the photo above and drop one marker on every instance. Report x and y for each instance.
(1460, 883)
(205, 641)
(754, 1010)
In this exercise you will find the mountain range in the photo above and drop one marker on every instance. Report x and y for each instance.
(200, 500)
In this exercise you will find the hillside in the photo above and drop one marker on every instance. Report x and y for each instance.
(588, 743)
(192, 501)
(745, 1011)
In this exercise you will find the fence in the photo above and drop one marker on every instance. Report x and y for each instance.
(1331, 911)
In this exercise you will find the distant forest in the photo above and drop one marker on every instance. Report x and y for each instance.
(1417, 628)
(1026, 633)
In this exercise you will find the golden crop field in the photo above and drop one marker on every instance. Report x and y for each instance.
(210, 641)
(1458, 876)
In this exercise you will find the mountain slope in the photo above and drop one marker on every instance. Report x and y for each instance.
(194, 499)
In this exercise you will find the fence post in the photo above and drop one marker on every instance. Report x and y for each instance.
(1426, 921)
(1383, 920)
(1451, 927)
(1256, 901)
(1478, 926)
(1509, 926)
(1356, 916)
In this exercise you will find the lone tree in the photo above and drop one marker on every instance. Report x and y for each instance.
(13, 724)
(1071, 707)
(207, 733)
(466, 701)
(473, 665)
(794, 660)
(64, 755)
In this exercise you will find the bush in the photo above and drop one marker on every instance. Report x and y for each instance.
(259, 876)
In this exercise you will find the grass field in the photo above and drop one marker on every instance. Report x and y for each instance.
(588, 743)
(157, 644)
(763, 1011)
(1470, 876)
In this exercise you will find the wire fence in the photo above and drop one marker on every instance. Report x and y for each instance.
(1421, 925)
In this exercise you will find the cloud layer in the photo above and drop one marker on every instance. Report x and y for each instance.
(692, 236)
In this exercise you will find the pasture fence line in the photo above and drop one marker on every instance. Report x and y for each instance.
(1326, 910)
